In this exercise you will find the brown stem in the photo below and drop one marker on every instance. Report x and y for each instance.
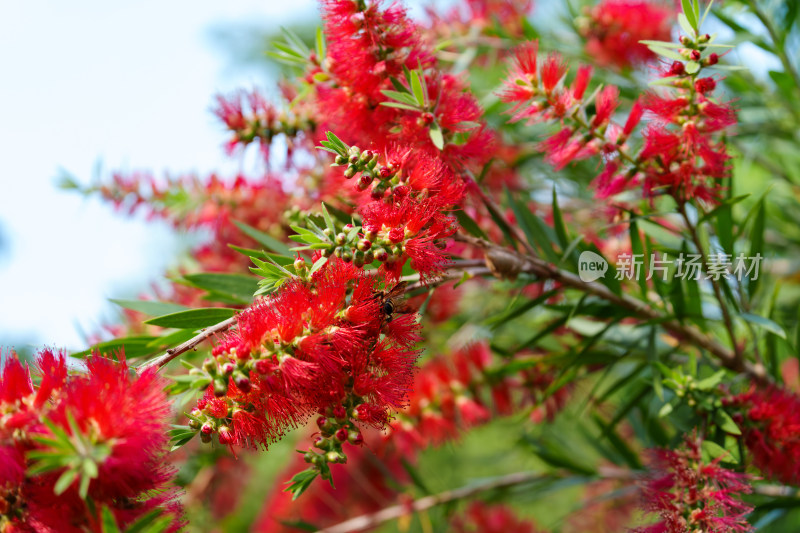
(172, 353)
(516, 262)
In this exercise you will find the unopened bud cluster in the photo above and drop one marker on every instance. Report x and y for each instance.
(336, 427)
(377, 177)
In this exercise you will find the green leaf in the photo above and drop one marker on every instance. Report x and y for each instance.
(265, 240)
(239, 286)
(766, 323)
(711, 381)
(193, 318)
(64, 481)
(403, 98)
(328, 220)
(436, 135)
(757, 240)
(686, 26)
(466, 222)
(558, 223)
(690, 14)
(149, 307)
(533, 227)
(109, 523)
(416, 88)
(726, 423)
(136, 346)
(300, 482)
(666, 53)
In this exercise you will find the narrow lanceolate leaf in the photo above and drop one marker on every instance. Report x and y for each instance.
(149, 307)
(466, 222)
(265, 240)
(416, 88)
(239, 286)
(436, 136)
(766, 323)
(757, 240)
(193, 319)
(136, 346)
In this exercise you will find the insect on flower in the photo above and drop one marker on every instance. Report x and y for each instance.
(392, 301)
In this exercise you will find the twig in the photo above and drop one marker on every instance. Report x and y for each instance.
(172, 353)
(396, 511)
(515, 262)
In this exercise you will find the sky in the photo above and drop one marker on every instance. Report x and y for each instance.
(123, 85)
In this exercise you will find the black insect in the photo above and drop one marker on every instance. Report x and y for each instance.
(392, 301)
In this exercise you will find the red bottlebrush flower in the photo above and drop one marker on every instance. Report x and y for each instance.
(320, 350)
(122, 417)
(553, 69)
(635, 115)
(771, 427)
(605, 104)
(613, 29)
(690, 495)
(581, 81)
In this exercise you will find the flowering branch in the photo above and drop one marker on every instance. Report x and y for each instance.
(507, 263)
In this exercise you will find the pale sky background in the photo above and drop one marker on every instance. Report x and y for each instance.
(127, 84)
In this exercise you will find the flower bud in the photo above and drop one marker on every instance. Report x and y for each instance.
(348, 227)
(340, 413)
(369, 257)
(228, 368)
(358, 259)
(242, 382)
(370, 235)
(353, 159)
(340, 160)
(347, 256)
(335, 457)
(355, 437)
(695, 55)
(322, 422)
(210, 366)
(220, 388)
(354, 150)
(299, 264)
(322, 443)
(381, 255)
(349, 172)
(364, 181)
(364, 245)
(341, 238)
(378, 191)
(225, 435)
(205, 438)
(341, 435)
(207, 429)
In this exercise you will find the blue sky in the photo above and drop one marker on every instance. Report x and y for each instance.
(126, 84)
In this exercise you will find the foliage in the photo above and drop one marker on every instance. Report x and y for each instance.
(509, 273)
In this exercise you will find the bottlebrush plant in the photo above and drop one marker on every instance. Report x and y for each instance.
(511, 268)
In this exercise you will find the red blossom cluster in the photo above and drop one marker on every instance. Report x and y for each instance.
(682, 154)
(613, 29)
(771, 427)
(111, 427)
(451, 394)
(326, 343)
(690, 495)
